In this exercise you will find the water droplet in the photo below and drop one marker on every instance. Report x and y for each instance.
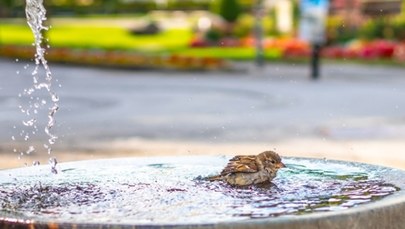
(52, 140)
(17, 72)
(30, 150)
(29, 91)
(16, 60)
(29, 122)
(55, 98)
(53, 162)
(13, 138)
(54, 171)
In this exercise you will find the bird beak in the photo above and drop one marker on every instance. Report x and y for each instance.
(280, 165)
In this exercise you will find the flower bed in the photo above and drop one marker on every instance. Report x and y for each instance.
(120, 59)
(215, 58)
(294, 48)
(372, 50)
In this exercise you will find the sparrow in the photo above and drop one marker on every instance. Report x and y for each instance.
(250, 169)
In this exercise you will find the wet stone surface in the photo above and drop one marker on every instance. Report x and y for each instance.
(145, 192)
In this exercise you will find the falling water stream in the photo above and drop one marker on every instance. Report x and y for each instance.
(42, 81)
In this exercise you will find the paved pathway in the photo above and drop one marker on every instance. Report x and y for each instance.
(278, 107)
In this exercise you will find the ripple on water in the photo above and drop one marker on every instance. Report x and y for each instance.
(170, 193)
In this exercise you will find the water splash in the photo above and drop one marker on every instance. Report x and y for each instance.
(53, 162)
(36, 16)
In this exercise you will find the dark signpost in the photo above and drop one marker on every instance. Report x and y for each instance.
(312, 29)
(258, 32)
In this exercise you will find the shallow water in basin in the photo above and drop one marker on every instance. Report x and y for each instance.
(170, 191)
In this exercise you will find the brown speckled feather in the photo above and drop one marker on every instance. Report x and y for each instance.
(241, 164)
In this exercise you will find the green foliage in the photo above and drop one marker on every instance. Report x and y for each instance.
(187, 5)
(246, 22)
(296, 13)
(213, 35)
(227, 9)
(273, 29)
(337, 31)
(12, 8)
(399, 28)
(391, 28)
(244, 26)
(7, 3)
(384, 29)
(375, 29)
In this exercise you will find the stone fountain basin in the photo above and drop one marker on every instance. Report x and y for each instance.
(167, 192)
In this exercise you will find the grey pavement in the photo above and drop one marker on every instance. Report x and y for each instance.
(276, 103)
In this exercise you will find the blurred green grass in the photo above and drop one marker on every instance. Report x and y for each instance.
(92, 37)
(15, 34)
(235, 53)
(118, 39)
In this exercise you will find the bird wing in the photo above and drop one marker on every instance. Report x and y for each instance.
(241, 164)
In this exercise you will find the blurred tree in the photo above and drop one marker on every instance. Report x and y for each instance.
(273, 29)
(229, 10)
(110, 6)
(11, 8)
(6, 7)
(296, 14)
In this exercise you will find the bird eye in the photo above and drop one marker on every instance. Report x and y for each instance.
(272, 161)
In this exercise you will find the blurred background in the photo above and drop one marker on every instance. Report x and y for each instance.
(186, 77)
(201, 33)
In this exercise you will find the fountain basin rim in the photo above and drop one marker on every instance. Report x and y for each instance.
(352, 216)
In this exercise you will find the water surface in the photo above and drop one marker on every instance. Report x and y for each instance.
(170, 191)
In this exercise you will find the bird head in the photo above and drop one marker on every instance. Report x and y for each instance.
(271, 160)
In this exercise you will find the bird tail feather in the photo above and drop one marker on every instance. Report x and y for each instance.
(213, 178)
